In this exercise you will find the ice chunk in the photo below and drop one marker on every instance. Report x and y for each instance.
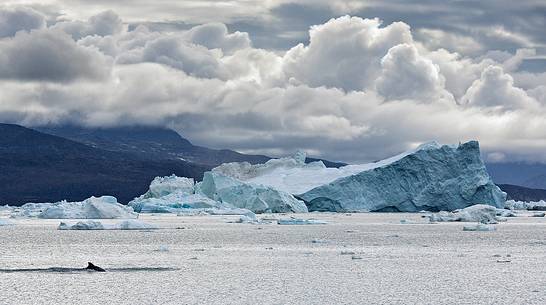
(431, 178)
(133, 224)
(163, 186)
(130, 224)
(477, 213)
(82, 225)
(526, 205)
(105, 207)
(175, 202)
(479, 227)
(5, 222)
(299, 221)
(257, 198)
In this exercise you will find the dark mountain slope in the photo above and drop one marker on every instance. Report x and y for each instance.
(521, 193)
(156, 143)
(39, 167)
(522, 174)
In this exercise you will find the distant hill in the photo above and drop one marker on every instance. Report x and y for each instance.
(37, 167)
(156, 143)
(521, 193)
(522, 174)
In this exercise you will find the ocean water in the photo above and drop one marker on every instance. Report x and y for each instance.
(353, 259)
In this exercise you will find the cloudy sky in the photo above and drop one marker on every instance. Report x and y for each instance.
(345, 80)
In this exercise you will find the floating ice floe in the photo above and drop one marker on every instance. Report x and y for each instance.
(477, 213)
(430, 177)
(479, 227)
(5, 222)
(299, 221)
(104, 207)
(130, 224)
(526, 205)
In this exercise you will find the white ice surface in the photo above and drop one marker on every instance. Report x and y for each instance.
(293, 176)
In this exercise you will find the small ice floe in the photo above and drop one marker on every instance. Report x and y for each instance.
(346, 252)
(542, 214)
(299, 221)
(248, 217)
(130, 224)
(479, 227)
(505, 213)
(5, 222)
(319, 241)
(477, 213)
(162, 248)
(406, 222)
(526, 205)
(356, 257)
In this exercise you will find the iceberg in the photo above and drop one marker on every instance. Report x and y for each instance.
(104, 207)
(130, 224)
(174, 194)
(477, 213)
(526, 205)
(431, 178)
(254, 197)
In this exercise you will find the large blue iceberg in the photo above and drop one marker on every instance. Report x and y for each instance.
(432, 178)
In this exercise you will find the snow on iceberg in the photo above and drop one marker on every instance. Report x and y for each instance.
(104, 207)
(477, 213)
(130, 224)
(432, 178)
(254, 197)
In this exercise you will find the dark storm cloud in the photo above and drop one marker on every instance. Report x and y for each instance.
(19, 19)
(49, 55)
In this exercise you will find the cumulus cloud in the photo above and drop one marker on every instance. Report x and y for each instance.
(49, 55)
(360, 90)
(19, 19)
(216, 36)
(102, 24)
(353, 62)
(407, 75)
(496, 89)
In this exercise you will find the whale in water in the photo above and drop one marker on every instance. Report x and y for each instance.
(90, 266)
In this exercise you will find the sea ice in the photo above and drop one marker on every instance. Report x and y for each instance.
(526, 205)
(130, 224)
(479, 227)
(5, 222)
(477, 213)
(299, 221)
(104, 207)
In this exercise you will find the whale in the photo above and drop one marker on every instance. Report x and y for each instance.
(91, 266)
